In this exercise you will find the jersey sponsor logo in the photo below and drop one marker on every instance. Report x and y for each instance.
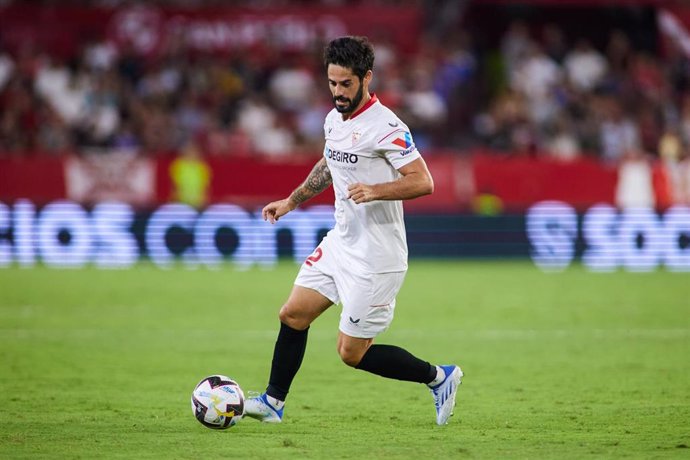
(342, 157)
(393, 125)
(408, 151)
(405, 141)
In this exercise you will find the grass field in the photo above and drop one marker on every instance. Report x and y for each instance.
(101, 364)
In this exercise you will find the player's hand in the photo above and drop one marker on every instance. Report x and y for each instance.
(361, 193)
(277, 209)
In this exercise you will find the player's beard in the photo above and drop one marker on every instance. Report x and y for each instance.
(352, 102)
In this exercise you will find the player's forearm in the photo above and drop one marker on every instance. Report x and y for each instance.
(319, 179)
(407, 187)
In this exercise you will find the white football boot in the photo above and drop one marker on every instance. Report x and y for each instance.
(259, 408)
(444, 393)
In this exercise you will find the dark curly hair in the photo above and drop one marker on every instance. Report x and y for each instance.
(355, 53)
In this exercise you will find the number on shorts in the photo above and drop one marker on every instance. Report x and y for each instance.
(314, 257)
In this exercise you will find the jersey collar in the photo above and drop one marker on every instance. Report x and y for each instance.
(369, 103)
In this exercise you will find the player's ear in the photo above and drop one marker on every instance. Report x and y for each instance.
(367, 78)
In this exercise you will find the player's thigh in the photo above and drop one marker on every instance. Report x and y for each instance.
(313, 292)
(303, 306)
(368, 302)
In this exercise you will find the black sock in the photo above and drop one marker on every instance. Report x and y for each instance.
(395, 363)
(287, 358)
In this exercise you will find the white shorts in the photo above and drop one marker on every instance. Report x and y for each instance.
(368, 299)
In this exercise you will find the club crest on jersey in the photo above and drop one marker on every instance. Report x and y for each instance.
(355, 137)
(404, 142)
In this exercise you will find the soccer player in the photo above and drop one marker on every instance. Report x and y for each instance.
(373, 164)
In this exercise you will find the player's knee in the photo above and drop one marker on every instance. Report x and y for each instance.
(350, 356)
(290, 318)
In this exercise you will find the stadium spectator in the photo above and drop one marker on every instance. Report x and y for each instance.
(6, 69)
(669, 172)
(677, 71)
(276, 140)
(125, 138)
(554, 41)
(53, 135)
(505, 125)
(65, 89)
(683, 196)
(100, 55)
(102, 115)
(635, 188)
(190, 117)
(618, 132)
(619, 53)
(515, 45)
(191, 176)
(561, 142)
(291, 86)
(536, 76)
(585, 67)
(261, 123)
(425, 108)
(309, 123)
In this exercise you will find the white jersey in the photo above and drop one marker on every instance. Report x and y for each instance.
(369, 148)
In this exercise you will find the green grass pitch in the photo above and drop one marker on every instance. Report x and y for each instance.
(101, 364)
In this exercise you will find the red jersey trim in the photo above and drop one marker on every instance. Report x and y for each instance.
(399, 130)
(369, 103)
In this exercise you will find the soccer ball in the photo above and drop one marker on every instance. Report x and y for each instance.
(218, 402)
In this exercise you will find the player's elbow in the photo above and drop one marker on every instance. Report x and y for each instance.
(427, 186)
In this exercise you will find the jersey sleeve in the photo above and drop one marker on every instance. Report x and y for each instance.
(398, 147)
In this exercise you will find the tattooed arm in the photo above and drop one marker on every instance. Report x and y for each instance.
(318, 180)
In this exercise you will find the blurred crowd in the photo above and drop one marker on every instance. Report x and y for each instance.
(539, 92)
(567, 98)
(628, 107)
